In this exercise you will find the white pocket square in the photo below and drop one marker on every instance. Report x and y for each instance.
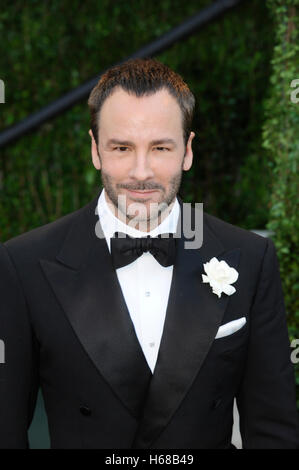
(230, 328)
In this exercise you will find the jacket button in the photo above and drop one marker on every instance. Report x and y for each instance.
(84, 410)
(216, 403)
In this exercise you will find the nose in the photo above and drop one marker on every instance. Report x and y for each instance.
(141, 167)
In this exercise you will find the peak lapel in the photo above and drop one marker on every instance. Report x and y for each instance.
(193, 317)
(88, 290)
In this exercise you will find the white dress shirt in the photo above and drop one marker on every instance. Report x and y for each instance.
(145, 284)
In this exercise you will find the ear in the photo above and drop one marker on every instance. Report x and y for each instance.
(188, 158)
(94, 152)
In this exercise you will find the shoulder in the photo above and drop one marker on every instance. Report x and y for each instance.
(258, 256)
(221, 232)
(46, 239)
(252, 245)
(229, 233)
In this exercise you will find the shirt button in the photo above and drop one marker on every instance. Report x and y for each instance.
(147, 294)
(84, 410)
(151, 345)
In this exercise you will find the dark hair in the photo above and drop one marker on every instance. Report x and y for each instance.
(142, 77)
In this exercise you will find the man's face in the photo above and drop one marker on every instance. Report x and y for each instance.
(141, 153)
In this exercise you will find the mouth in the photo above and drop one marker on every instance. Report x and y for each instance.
(141, 194)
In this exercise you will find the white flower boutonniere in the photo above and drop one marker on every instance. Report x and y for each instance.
(220, 276)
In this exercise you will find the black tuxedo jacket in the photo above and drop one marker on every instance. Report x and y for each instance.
(66, 328)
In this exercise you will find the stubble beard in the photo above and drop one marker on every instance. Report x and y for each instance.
(158, 211)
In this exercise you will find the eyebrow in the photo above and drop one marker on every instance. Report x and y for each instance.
(128, 142)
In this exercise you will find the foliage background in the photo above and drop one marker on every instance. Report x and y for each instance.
(241, 118)
(281, 140)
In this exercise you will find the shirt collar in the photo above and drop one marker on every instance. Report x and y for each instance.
(110, 223)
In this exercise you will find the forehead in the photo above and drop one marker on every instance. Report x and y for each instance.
(122, 111)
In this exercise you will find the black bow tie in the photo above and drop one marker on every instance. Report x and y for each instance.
(125, 250)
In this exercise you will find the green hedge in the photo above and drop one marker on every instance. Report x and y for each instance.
(281, 139)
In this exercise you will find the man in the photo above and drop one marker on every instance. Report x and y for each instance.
(136, 339)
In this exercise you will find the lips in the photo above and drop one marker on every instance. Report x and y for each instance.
(141, 193)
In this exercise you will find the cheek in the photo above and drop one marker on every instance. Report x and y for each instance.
(169, 168)
(115, 167)
(168, 163)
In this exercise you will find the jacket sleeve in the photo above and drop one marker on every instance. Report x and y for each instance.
(266, 398)
(18, 359)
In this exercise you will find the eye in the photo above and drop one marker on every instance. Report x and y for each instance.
(162, 149)
(121, 148)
